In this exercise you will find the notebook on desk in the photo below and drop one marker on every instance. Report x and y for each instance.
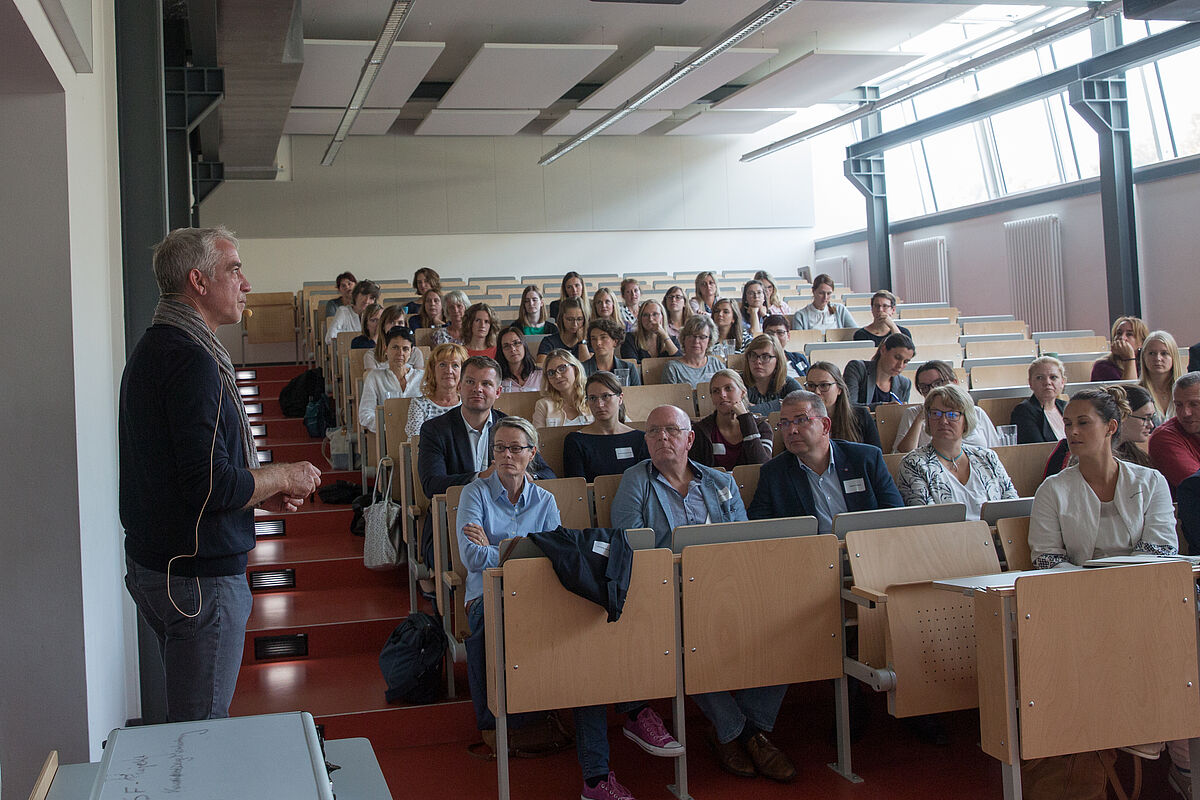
(1139, 558)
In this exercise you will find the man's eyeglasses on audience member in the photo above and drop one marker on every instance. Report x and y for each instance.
(673, 431)
(795, 422)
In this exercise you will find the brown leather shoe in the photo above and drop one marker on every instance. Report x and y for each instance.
(732, 757)
(769, 760)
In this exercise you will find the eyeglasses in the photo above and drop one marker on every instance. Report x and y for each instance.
(926, 388)
(672, 431)
(511, 449)
(761, 357)
(513, 344)
(823, 386)
(561, 369)
(950, 415)
(594, 399)
(1146, 420)
(796, 422)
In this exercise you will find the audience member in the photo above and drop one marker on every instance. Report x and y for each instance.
(662, 493)
(563, 395)
(1194, 358)
(880, 380)
(397, 378)
(454, 308)
(754, 307)
(572, 286)
(1039, 417)
(819, 476)
(1101, 506)
(649, 338)
(429, 315)
(393, 316)
(776, 326)
(706, 293)
(608, 446)
(883, 323)
(822, 313)
(1175, 445)
(345, 286)
(370, 328)
(604, 338)
(677, 310)
(731, 333)
(631, 295)
(948, 470)
(732, 434)
(439, 387)
(696, 362)
(480, 329)
(1137, 423)
(911, 432)
(349, 318)
(518, 370)
(423, 280)
(572, 321)
(766, 375)
(1161, 367)
(1123, 363)
(1188, 494)
(531, 318)
(604, 306)
(850, 422)
(775, 302)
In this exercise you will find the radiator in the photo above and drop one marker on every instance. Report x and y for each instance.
(926, 273)
(837, 267)
(1034, 248)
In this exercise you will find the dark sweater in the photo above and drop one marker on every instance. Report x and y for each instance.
(169, 396)
(864, 335)
(586, 455)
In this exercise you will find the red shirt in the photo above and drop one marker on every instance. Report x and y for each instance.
(1175, 452)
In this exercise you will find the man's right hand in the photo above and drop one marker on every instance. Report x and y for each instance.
(300, 478)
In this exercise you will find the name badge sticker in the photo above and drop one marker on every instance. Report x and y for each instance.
(724, 494)
(854, 485)
(624, 453)
(718, 449)
(600, 548)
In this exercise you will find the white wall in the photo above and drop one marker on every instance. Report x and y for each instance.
(481, 206)
(1168, 236)
(67, 665)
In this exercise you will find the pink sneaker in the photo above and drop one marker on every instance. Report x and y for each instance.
(607, 789)
(648, 732)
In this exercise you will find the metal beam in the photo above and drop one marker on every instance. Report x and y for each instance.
(1101, 66)
(867, 175)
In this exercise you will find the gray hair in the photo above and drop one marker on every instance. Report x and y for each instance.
(185, 249)
(1187, 380)
(698, 325)
(518, 424)
(811, 399)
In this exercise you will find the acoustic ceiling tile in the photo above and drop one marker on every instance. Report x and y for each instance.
(487, 122)
(816, 77)
(324, 121)
(576, 120)
(716, 123)
(636, 77)
(512, 76)
(721, 70)
(332, 66)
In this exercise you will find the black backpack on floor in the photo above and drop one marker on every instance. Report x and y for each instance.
(412, 661)
(294, 398)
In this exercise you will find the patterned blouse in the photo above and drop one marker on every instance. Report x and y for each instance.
(923, 481)
(420, 410)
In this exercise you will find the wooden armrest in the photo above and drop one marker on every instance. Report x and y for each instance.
(868, 593)
(907, 584)
(451, 579)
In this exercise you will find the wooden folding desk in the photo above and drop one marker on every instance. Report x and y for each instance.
(1075, 660)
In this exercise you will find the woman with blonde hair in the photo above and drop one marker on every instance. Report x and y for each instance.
(532, 318)
(766, 375)
(706, 293)
(1039, 417)
(775, 302)
(649, 337)
(732, 434)
(439, 387)
(604, 306)
(564, 397)
(1123, 363)
(1161, 367)
(454, 309)
(729, 324)
(480, 329)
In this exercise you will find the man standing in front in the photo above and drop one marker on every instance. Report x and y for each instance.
(818, 476)
(670, 490)
(1175, 445)
(190, 479)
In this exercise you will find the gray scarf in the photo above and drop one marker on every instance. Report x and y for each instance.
(184, 317)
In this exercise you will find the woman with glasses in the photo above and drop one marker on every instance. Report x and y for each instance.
(706, 293)
(562, 401)
(439, 387)
(649, 337)
(1137, 423)
(850, 422)
(604, 338)
(697, 362)
(572, 322)
(911, 432)
(608, 446)
(531, 318)
(677, 308)
(879, 381)
(732, 434)
(948, 470)
(454, 309)
(766, 375)
(518, 371)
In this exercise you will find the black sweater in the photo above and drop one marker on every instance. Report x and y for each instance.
(167, 411)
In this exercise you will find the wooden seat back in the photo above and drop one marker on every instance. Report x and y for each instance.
(517, 404)
(721, 532)
(1009, 347)
(604, 488)
(798, 338)
(1025, 464)
(550, 445)
(1073, 344)
(1008, 326)
(652, 370)
(905, 312)
(837, 335)
(746, 478)
(999, 409)
(887, 419)
(1014, 540)
(935, 334)
(994, 377)
(641, 400)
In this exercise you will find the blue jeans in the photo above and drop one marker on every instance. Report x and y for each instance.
(591, 737)
(201, 654)
(729, 711)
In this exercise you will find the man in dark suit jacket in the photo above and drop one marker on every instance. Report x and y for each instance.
(1194, 358)
(819, 476)
(456, 448)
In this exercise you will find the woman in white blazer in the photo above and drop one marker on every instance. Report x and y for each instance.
(1102, 506)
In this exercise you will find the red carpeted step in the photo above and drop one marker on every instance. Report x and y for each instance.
(316, 519)
(328, 641)
(297, 608)
(272, 372)
(292, 452)
(284, 431)
(292, 550)
(333, 574)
